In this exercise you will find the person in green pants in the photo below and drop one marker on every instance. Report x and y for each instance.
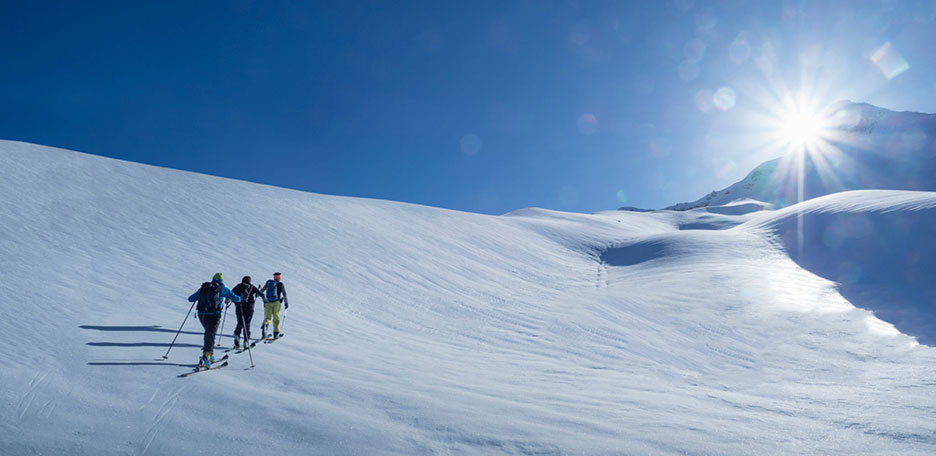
(275, 293)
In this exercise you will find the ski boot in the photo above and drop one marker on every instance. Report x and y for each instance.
(276, 335)
(263, 333)
(206, 359)
(237, 342)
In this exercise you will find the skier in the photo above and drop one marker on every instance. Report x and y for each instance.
(275, 292)
(245, 309)
(210, 299)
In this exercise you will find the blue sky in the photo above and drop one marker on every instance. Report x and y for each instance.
(477, 106)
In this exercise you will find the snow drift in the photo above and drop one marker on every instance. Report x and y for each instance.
(416, 330)
(877, 245)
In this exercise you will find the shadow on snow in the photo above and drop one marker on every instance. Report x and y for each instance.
(882, 261)
(636, 253)
(141, 363)
(139, 344)
(153, 328)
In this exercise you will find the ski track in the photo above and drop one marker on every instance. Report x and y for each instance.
(30, 395)
(602, 280)
(152, 430)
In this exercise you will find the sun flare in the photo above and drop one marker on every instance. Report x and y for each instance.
(807, 132)
(802, 127)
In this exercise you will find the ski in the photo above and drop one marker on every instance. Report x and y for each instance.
(215, 365)
(204, 369)
(241, 348)
(273, 339)
(247, 347)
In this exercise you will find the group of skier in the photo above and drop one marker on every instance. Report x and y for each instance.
(210, 301)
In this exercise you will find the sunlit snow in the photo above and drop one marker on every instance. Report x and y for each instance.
(416, 330)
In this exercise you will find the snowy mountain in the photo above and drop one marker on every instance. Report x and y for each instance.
(417, 330)
(872, 148)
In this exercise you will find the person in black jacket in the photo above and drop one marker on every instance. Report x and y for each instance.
(245, 309)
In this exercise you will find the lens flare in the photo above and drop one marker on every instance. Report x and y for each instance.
(689, 70)
(587, 124)
(889, 61)
(739, 50)
(724, 98)
(694, 49)
(703, 101)
(706, 20)
(470, 144)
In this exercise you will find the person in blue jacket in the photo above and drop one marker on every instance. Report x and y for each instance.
(210, 298)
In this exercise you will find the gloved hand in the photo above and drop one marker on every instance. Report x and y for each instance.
(286, 304)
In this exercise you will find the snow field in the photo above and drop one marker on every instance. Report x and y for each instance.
(416, 330)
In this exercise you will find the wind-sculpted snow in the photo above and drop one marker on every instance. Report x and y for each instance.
(740, 207)
(877, 245)
(416, 330)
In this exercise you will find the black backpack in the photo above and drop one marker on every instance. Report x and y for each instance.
(209, 297)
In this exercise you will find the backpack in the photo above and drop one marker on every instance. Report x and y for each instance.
(245, 291)
(209, 297)
(271, 290)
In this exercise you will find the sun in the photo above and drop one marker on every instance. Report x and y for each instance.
(802, 127)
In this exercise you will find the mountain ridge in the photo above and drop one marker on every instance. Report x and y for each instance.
(866, 140)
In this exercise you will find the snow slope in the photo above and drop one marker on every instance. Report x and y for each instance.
(874, 148)
(416, 330)
(877, 245)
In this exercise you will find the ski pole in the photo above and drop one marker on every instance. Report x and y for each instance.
(246, 339)
(166, 356)
(220, 333)
(283, 321)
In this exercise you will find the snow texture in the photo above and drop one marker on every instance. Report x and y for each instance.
(417, 330)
